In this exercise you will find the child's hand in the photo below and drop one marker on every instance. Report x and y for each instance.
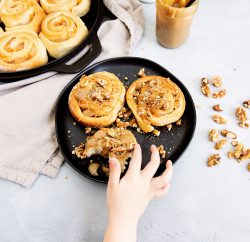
(127, 198)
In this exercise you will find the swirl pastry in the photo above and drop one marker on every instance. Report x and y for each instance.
(108, 142)
(155, 100)
(21, 15)
(78, 7)
(1, 30)
(96, 100)
(21, 51)
(61, 32)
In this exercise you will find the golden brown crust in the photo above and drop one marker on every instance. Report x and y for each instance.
(96, 100)
(155, 100)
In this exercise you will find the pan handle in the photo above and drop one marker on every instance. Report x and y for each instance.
(94, 51)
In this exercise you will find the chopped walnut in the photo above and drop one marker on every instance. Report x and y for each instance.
(220, 144)
(219, 120)
(169, 127)
(205, 88)
(178, 123)
(230, 155)
(87, 130)
(240, 153)
(156, 132)
(234, 143)
(141, 72)
(248, 167)
(217, 81)
(220, 94)
(79, 151)
(242, 117)
(112, 133)
(213, 135)
(246, 104)
(213, 160)
(217, 108)
(126, 78)
(228, 134)
(101, 82)
(162, 151)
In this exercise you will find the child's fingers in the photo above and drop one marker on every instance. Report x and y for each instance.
(160, 192)
(163, 180)
(154, 163)
(114, 173)
(135, 163)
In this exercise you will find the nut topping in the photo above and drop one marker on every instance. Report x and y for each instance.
(87, 130)
(141, 72)
(213, 160)
(217, 108)
(156, 132)
(228, 134)
(178, 123)
(219, 120)
(169, 127)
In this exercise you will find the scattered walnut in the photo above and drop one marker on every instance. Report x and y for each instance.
(101, 82)
(219, 120)
(220, 94)
(246, 104)
(220, 144)
(141, 72)
(169, 127)
(242, 117)
(248, 167)
(213, 135)
(156, 132)
(240, 153)
(230, 155)
(217, 81)
(78, 151)
(93, 169)
(234, 143)
(87, 130)
(217, 108)
(213, 160)
(228, 134)
(178, 123)
(205, 88)
(162, 151)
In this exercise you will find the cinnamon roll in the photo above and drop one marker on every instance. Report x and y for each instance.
(155, 101)
(21, 50)
(1, 30)
(109, 142)
(78, 7)
(61, 32)
(21, 15)
(96, 100)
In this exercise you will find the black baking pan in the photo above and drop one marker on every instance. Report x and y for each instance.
(70, 133)
(92, 20)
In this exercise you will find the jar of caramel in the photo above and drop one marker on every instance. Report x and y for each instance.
(173, 21)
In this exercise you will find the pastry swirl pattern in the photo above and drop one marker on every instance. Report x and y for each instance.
(96, 100)
(21, 15)
(61, 32)
(21, 51)
(155, 101)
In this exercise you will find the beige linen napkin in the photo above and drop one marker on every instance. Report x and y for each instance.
(28, 145)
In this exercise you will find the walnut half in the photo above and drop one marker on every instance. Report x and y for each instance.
(213, 160)
(220, 144)
(228, 134)
(213, 135)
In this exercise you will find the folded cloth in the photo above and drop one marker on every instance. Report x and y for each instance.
(27, 133)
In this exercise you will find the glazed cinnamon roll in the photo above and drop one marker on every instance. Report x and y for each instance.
(96, 100)
(109, 142)
(61, 32)
(1, 30)
(21, 15)
(78, 7)
(155, 101)
(21, 50)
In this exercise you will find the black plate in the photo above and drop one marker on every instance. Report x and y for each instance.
(92, 20)
(70, 133)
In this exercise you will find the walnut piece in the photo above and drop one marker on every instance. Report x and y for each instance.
(141, 72)
(87, 130)
(242, 117)
(178, 123)
(217, 81)
(217, 108)
(240, 153)
(213, 135)
(169, 127)
(162, 151)
(228, 134)
(246, 104)
(248, 167)
(234, 143)
(156, 132)
(219, 120)
(213, 160)
(220, 144)
(205, 88)
(220, 93)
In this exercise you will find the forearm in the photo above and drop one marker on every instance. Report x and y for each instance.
(120, 231)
